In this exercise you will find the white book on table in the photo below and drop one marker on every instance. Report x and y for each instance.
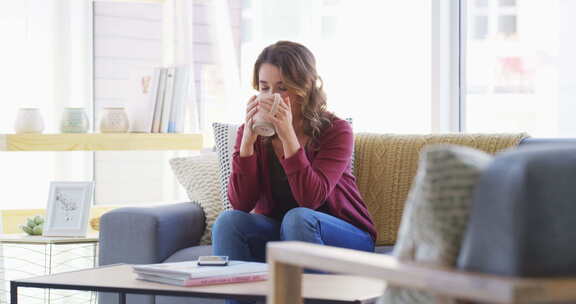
(191, 270)
(214, 280)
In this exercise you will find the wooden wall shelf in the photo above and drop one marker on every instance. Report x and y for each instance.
(100, 142)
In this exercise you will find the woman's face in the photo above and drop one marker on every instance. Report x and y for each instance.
(270, 80)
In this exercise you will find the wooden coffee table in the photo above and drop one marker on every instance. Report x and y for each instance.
(120, 279)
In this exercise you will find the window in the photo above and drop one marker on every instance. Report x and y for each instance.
(480, 27)
(507, 2)
(519, 68)
(45, 64)
(481, 3)
(507, 25)
(374, 60)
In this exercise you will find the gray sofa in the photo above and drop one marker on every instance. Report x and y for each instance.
(171, 233)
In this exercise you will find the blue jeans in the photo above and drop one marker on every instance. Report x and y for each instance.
(243, 236)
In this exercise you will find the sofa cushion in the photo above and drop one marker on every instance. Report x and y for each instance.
(523, 215)
(199, 177)
(437, 210)
(385, 165)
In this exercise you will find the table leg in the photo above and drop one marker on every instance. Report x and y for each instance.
(94, 294)
(49, 290)
(285, 283)
(121, 298)
(13, 293)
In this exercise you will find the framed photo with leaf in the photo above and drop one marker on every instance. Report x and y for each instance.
(68, 208)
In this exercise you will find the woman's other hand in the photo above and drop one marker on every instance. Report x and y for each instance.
(248, 136)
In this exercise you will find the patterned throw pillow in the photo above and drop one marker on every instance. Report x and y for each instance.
(225, 138)
(199, 177)
(437, 212)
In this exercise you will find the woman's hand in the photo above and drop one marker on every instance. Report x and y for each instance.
(248, 136)
(281, 118)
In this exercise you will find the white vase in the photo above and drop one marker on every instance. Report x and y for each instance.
(114, 120)
(29, 120)
(74, 120)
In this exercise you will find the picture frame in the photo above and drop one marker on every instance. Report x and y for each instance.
(68, 209)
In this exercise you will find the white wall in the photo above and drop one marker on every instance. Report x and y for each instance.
(127, 36)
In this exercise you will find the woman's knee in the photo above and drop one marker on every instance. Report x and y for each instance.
(298, 215)
(298, 219)
(227, 220)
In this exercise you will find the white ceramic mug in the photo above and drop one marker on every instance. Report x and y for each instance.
(261, 125)
(114, 120)
(29, 120)
(74, 120)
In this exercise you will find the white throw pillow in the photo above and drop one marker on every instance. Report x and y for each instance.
(436, 213)
(199, 177)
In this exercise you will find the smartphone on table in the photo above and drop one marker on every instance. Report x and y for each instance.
(212, 260)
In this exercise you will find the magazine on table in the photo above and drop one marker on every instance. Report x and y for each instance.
(224, 279)
(190, 274)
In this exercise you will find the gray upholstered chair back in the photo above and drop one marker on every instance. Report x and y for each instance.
(524, 214)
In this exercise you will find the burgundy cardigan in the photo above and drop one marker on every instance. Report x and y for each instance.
(320, 179)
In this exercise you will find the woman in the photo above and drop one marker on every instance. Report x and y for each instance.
(296, 185)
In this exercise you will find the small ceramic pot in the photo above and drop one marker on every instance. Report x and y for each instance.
(29, 120)
(74, 120)
(114, 120)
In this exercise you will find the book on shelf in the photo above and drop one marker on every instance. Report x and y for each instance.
(143, 88)
(190, 274)
(168, 100)
(159, 101)
(181, 92)
(158, 98)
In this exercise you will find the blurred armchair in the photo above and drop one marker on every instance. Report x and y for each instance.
(519, 245)
(286, 260)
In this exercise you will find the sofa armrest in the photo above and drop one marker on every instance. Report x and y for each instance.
(143, 235)
(286, 260)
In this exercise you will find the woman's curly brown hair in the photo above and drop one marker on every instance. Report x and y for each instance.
(298, 68)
